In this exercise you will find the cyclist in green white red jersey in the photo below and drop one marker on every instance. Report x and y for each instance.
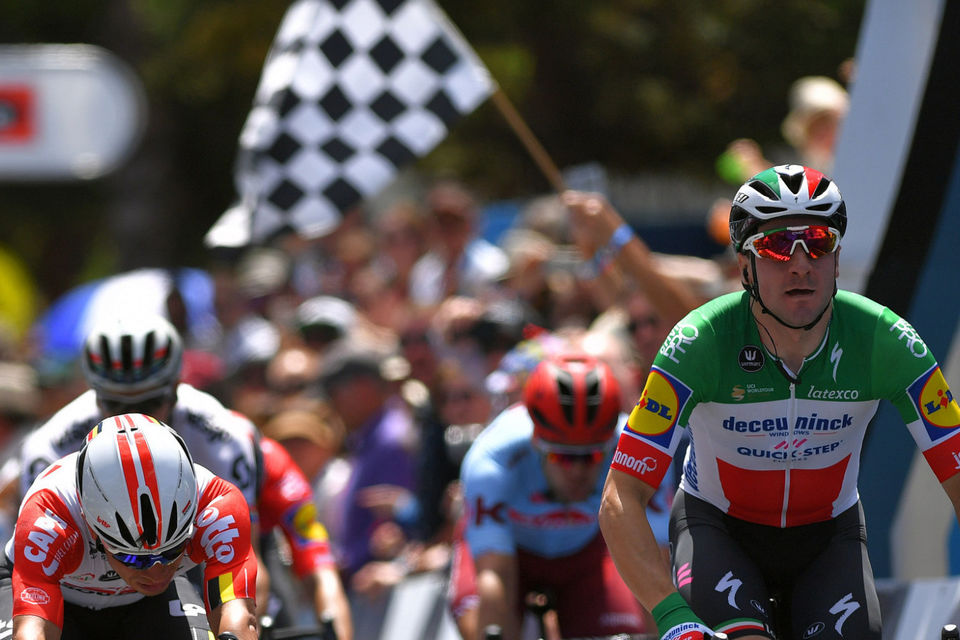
(775, 387)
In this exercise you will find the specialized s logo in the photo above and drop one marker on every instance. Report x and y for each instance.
(218, 536)
(935, 403)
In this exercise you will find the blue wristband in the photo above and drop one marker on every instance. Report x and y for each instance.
(620, 237)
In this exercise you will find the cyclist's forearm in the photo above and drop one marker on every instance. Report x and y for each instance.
(632, 545)
(236, 616)
(329, 598)
(497, 590)
(34, 628)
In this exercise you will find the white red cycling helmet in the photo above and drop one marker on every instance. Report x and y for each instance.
(132, 357)
(137, 485)
(574, 402)
(782, 191)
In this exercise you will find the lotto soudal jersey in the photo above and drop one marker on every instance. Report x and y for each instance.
(57, 559)
(286, 501)
(776, 451)
(221, 440)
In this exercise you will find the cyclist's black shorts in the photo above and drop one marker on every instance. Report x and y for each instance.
(728, 570)
(175, 614)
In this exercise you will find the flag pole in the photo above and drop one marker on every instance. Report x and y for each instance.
(530, 142)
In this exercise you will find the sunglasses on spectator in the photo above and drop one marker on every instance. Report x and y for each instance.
(570, 459)
(779, 244)
(145, 561)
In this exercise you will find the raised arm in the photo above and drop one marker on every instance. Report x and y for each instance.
(598, 230)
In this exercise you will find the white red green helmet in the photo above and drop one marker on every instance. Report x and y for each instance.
(782, 191)
(132, 357)
(137, 485)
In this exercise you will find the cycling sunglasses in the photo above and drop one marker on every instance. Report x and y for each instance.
(570, 459)
(779, 244)
(145, 561)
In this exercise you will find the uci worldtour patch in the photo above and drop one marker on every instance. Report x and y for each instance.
(751, 358)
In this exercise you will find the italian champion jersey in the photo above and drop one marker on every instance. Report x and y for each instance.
(56, 558)
(775, 452)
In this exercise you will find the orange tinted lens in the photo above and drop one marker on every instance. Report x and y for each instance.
(780, 244)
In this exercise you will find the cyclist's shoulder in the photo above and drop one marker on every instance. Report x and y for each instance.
(504, 443)
(67, 427)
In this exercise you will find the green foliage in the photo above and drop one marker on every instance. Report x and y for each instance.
(637, 85)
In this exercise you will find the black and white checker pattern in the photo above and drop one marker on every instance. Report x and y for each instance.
(351, 91)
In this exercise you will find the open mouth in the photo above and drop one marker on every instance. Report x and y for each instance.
(799, 292)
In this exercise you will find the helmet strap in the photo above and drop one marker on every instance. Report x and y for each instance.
(754, 290)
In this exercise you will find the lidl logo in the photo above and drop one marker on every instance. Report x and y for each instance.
(306, 524)
(935, 403)
(655, 414)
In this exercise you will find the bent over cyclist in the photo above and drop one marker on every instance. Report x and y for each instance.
(776, 386)
(532, 483)
(105, 536)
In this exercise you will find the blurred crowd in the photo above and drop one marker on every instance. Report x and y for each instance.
(377, 353)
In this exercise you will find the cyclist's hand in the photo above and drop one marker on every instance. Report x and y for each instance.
(691, 631)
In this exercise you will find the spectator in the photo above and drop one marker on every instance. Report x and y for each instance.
(379, 443)
(459, 261)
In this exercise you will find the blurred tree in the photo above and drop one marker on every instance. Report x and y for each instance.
(637, 85)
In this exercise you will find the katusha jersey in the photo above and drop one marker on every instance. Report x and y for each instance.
(222, 440)
(509, 505)
(775, 452)
(56, 558)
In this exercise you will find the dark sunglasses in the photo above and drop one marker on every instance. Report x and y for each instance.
(145, 561)
(570, 459)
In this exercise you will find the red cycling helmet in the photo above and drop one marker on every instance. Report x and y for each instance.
(574, 402)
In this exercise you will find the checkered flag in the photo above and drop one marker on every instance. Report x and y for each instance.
(352, 90)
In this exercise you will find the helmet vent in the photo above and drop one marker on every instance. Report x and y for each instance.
(172, 527)
(124, 532)
(541, 419)
(149, 520)
(113, 541)
(565, 389)
(822, 186)
(593, 396)
(126, 353)
(105, 354)
(764, 189)
(148, 350)
(767, 209)
(793, 181)
(820, 207)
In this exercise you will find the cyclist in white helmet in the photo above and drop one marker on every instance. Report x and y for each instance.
(775, 387)
(132, 363)
(105, 537)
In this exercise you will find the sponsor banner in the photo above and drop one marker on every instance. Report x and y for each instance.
(640, 460)
(935, 404)
(654, 417)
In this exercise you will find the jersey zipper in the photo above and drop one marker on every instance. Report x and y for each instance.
(791, 422)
